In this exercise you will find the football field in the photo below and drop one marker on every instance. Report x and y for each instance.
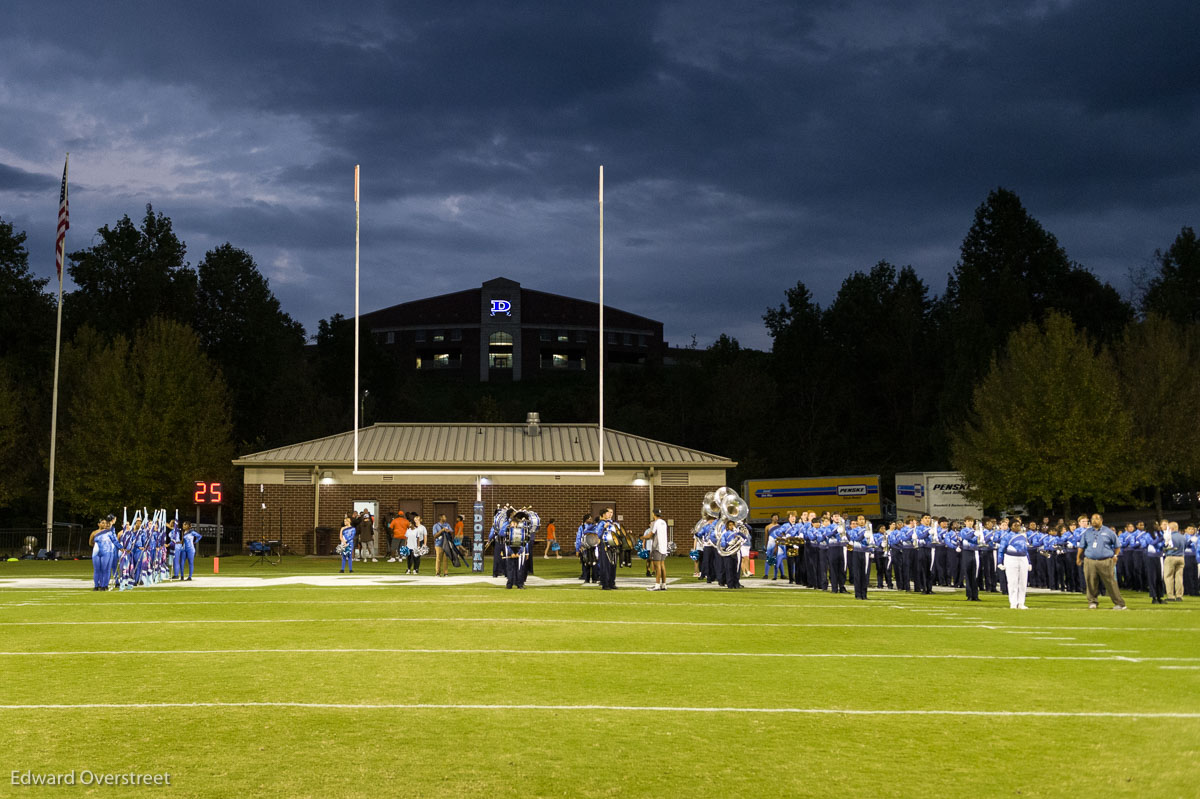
(379, 686)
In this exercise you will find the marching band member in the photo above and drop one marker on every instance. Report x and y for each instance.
(585, 567)
(772, 548)
(496, 538)
(1191, 572)
(813, 556)
(1151, 546)
(708, 552)
(900, 542)
(836, 537)
(923, 576)
(882, 553)
(347, 535)
(515, 543)
(859, 541)
(968, 547)
(730, 543)
(793, 553)
(605, 565)
(1014, 562)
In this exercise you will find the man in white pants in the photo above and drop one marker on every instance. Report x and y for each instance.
(1013, 557)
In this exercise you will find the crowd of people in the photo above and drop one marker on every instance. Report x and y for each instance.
(147, 551)
(990, 555)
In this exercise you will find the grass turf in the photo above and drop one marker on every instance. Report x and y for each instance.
(879, 684)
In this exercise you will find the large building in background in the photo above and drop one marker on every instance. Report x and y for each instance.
(504, 332)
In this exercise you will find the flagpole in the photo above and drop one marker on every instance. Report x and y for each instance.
(60, 249)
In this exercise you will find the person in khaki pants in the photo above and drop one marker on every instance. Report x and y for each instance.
(1174, 543)
(1098, 552)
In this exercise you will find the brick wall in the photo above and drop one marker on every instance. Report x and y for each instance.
(289, 513)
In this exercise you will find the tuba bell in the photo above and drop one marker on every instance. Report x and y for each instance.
(734, 507)
(710, 508)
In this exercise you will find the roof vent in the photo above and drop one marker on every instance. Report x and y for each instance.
(533, 423)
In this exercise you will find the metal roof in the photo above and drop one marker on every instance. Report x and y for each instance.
(483, 446)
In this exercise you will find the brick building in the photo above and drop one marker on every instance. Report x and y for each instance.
(502, 332)
(292, 492)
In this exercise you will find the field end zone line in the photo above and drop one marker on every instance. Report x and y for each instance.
(620, 708)
(594, 652)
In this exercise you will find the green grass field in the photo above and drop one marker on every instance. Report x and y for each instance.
(471, 690)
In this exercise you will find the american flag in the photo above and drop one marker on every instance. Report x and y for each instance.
(64, 222)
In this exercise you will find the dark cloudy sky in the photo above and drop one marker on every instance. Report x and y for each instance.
(747, 145)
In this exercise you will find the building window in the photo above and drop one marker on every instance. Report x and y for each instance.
(439, 336)
(420, 365)
(456, 334)
(562, 337)
(581, 336)
(419, 336)
(391, 337)
(500, 350)
(612, 338)
(560, 361)
(545, 335)
(442, 360)
(627, 339)
(641, 341)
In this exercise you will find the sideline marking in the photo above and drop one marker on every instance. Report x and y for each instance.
(596, 652)
(821, 711)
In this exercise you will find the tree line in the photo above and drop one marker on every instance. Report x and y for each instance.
(1028, 373)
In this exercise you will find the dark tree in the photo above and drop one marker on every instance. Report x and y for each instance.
(130, 276)
(1012, 271)
(26, 310)
(1174, 292)
(259, 348)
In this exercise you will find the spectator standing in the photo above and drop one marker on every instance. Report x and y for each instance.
(1098, 552)
(441, 532)
(1174, 545)
(399, 528)
(366, 535)
(552, 541)
(416, 540)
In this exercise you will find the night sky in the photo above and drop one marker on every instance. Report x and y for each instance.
(746, 145)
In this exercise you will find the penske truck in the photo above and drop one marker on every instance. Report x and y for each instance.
(849, 495)
(935, 493)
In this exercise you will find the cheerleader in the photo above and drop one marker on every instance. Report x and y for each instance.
(348, 534)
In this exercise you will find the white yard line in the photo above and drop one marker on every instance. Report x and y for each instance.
(579, 652)
(821, 711)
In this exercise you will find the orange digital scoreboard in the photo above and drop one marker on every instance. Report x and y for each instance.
(207, 493)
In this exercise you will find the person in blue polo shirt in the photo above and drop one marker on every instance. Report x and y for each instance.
(1099, 551)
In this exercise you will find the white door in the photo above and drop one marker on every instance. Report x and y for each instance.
(369, 505)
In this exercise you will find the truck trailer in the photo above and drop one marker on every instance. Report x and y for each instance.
(849, 495)
(936, 493)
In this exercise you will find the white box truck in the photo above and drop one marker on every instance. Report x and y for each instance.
(935, 493)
